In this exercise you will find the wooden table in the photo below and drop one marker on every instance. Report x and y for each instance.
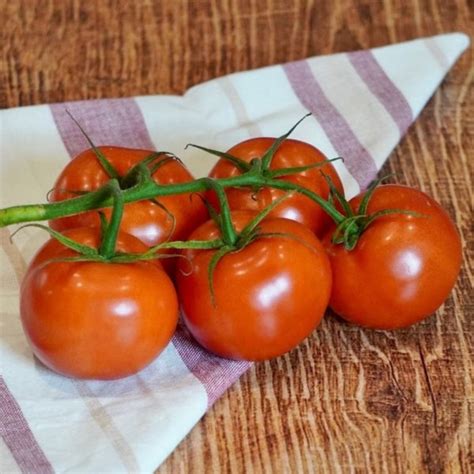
(347, 400)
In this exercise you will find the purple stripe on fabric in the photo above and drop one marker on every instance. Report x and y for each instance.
(117, 122)
(18, 436)
(357, 159)
(438, 54)
(388, 94)
(215, 373)
(120, 122)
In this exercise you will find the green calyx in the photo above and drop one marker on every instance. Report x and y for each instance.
(235, 241)
(81, 249)
(354, 224)
(261, 165)
(104, 162)
(146, 168)
(258, 164)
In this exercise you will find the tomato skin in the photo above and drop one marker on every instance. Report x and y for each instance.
(143, 219)
(290, 154)
(96, 320)
(403, 267)
(269, 296)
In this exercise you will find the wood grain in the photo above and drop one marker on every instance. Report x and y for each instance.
(347, 400)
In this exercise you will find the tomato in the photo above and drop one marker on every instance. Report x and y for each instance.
(403, 266)
(96, 320)
(144, 219)
(269, 295)
(291, 153)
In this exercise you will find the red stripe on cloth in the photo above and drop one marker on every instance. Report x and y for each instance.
(388, 94)
(120, 122)
(215, 373)
(117, 122)
(357, 159)
(18, 436)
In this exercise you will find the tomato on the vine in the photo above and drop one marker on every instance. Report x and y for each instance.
(145, 219)
(291, 153)
(403, 266)
(268, 295)
(96, 320)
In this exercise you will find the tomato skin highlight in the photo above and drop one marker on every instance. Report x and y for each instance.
(269, 295)
(96, 320)
(142, 219)
(292, 153)
(403, 267)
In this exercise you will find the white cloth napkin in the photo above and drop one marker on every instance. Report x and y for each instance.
(362, 104)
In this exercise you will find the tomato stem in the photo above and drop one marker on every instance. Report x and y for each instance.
(109, 237)
(148, 189)
(229, 234)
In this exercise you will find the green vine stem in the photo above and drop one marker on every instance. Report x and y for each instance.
(148, 189)
(227, 227)
(109, 237)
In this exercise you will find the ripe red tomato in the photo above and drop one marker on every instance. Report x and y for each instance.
(144, 219)
(269, 295)
(96, 320)
(291, 153)
(403, 267)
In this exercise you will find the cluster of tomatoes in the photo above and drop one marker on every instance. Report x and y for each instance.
(390, 262)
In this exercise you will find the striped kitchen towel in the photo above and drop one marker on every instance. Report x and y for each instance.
(362, 103)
